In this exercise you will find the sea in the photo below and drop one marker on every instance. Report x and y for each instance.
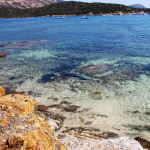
(95, 71)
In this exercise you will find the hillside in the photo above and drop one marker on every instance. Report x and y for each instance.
(137, 6)
(26, 3)
(71, 8)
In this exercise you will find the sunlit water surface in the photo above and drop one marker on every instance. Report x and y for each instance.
(101, 64)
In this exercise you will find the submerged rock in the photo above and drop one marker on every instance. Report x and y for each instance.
(2, 54)
(22, 44)
(140, 127)
(91, 70)
(71, 108)
(83, 132)
(44, 110)
(47, 78)
(13, 91)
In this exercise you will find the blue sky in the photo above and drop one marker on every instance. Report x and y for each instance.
(145, 3)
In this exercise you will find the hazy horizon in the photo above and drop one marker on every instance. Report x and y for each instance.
(123, 2)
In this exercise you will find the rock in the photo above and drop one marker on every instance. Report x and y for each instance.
(46, 112)
(28, 132)
(97, 95)
(2, 54)
(40, 138)
(145, 143)
(83, 132)
(71, 108)
(94, 69)
(13, 91)
(121, 143)
(3, 121)
(147, 113)
(10, 114)
(13, 142)
(122, 74)
(24, 104)
(2, 91)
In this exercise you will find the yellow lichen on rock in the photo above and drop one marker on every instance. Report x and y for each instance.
(38, 139)
(23, 103)
(43, 139)
(2, 91)
(33, 134)
(3, 121)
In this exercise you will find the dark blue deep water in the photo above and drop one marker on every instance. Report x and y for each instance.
(105, 59)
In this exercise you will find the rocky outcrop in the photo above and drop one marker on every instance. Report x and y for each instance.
(26, 3)
(22, 128)
(22, 103)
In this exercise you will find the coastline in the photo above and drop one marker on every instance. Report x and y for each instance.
(78, 8)
(89, 14)
(96, 98)
(72, 140)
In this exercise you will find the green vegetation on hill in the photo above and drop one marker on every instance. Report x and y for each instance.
(69, 8)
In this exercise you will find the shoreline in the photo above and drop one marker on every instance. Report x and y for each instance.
(108, 14)
(72, 140)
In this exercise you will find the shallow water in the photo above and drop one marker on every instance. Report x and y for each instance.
(100, 64)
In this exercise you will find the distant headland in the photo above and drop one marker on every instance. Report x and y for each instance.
(72, 8)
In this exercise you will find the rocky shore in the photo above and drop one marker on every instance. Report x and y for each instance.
(21, 127)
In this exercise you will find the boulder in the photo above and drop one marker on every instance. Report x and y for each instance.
(2, 54)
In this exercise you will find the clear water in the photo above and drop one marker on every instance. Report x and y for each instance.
(45, 55)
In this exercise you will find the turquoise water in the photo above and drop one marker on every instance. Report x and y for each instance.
(101, 64)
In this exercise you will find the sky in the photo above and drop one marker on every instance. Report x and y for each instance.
(145, 3)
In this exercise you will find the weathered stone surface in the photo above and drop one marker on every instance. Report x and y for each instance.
(24, 104)
(2, 91)
(13, 142)
(3, 121)
(121, 143)
(39, 138)
(2, 54)
(28, 132)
